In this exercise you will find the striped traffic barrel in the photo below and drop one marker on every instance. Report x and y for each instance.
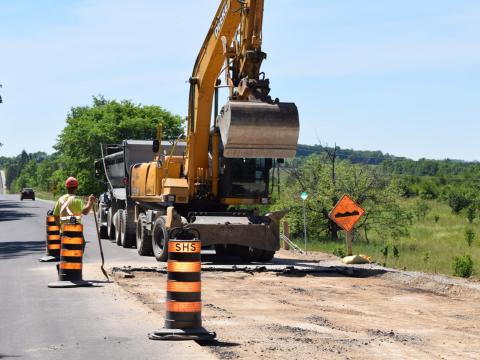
(71, 253)
(53, 237)
(183, 307)
(184, 294)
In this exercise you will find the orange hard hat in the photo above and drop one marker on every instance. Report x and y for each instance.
(71, 183)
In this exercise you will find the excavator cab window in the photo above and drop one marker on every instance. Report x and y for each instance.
(244, 178)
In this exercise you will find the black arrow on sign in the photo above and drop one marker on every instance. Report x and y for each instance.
(347, 214)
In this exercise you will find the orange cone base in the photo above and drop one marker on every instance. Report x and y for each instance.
(48, 259)
(182, 334)
(69, 284)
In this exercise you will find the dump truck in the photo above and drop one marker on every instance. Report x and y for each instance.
(116, 210)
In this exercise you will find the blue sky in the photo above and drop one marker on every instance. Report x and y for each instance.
(401, 76)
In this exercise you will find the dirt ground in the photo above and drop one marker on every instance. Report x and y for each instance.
(268, 315)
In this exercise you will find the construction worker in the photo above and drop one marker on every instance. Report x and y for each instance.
(69, 206)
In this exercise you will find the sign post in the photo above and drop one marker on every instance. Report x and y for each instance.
(346, 214)
(349, 240)
(304, 197)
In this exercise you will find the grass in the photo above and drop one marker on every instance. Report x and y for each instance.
(430, 247)
(45, 195)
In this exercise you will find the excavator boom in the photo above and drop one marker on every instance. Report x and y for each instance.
(251, 124)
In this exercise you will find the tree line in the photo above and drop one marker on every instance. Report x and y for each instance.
(78, 145)
(378, 181)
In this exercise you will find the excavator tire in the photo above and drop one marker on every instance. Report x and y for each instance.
(144, 240)
(224, 250)
(267, 255)
(118, 219)
(160, 240)
(128, 230)
(249, 254)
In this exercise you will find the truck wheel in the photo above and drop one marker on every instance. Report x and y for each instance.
(110, 225)
(160, 240)
(249, 254)
(144, 240)
(118, 227)
(100, 216)
(128, 230)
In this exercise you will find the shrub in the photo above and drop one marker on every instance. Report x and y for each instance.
(458, 199)
(426, 257)
(340, 252)
(463, 266)
(385, 255)
(436, 218)
(469, 236)
(471, 213)
(385, 251)
(429, 191)
(396, 252)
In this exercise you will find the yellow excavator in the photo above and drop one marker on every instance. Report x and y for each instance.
(228, 158)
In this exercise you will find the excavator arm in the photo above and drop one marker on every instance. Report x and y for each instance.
(251, 124)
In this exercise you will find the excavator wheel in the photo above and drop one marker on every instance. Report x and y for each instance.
(118, 218)
(267, 255)
(144, 240)
(128, 230)
(224, 250)
(160, 240)
(249, 254)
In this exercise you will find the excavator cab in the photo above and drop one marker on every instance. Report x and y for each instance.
(245, 178)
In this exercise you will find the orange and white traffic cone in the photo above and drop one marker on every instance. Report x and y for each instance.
(71, 257)
(53, 240)
(183, 320)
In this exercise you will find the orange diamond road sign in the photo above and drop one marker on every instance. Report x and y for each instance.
(346, 213)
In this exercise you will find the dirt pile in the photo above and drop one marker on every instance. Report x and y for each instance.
(274, 316)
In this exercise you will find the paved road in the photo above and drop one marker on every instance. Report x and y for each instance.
(37, 322)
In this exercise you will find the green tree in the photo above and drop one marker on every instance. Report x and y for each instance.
(365, 184)
(27, 176)
(428, 190)
(107, 122)
(421, 209)
(458, 198)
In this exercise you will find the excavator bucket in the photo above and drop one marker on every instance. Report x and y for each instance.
(259, 130)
